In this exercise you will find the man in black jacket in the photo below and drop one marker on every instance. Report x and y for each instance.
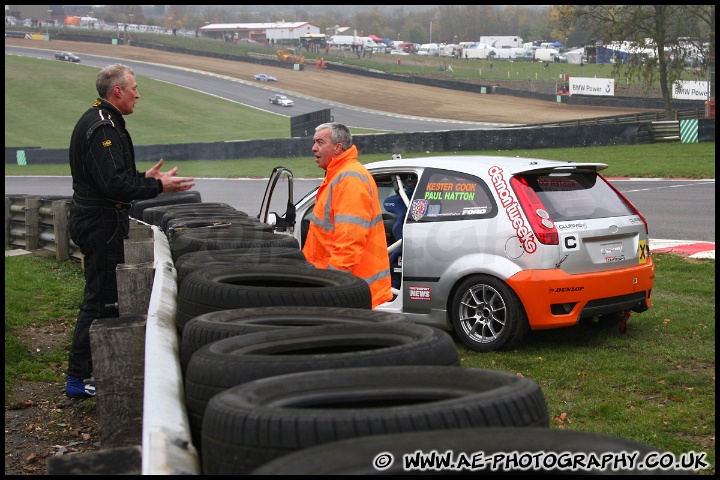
(105, 182)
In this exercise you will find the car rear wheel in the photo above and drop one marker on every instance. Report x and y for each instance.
(487, 315)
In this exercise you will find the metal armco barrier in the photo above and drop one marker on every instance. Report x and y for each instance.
(33, 223)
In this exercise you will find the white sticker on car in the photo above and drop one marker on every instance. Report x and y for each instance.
(420, 293)
(565, 226)
(570, 243)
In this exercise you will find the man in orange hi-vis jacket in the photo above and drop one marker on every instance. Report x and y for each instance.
(346, 229)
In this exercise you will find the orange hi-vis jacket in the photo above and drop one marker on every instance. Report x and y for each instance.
(346, 228)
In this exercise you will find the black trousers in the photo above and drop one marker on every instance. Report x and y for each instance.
(100, 234)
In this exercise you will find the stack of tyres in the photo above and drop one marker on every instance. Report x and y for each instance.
(236, 360)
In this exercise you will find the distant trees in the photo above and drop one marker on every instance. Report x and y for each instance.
(674, 32)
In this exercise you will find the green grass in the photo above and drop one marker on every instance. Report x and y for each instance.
(655, 384)
(41, 295)
(44, 99)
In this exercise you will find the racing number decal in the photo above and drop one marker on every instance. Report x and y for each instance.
(570, 243)
(643, 252)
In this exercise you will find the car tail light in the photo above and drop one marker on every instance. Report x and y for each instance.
(540, 221)
(627, 202)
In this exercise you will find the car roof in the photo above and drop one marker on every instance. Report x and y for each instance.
(470, 164)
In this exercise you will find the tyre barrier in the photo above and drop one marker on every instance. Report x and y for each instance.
(191, 261)
(247, 426)
(207, 239)
(513, 450)
(240, 359)
(285, 282)
(214, 326)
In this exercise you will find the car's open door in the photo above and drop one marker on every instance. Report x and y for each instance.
(283, 223)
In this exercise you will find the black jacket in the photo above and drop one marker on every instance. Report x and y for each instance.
(102, 161)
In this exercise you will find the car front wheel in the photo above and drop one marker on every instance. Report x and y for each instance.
(487, 315)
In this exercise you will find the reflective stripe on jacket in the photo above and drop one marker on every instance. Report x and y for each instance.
(346, 229)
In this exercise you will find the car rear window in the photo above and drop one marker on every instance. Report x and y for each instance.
(578, 195)
(444, 196)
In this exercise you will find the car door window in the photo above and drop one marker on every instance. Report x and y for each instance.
(446, 196)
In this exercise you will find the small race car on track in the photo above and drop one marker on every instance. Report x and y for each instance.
(67, 57)
(265, 78)
(281, 100)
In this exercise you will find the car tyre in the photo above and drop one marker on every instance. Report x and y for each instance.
(195, 240)
(194, 260)
(487, 315)
(214, 326)
(156, 215)
(362, 456)
(173, 198)
(251, 424)
(219, 221)
(224, 287)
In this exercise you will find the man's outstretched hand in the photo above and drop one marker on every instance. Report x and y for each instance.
(170, 181)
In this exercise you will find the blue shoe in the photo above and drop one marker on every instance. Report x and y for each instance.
(76, 387)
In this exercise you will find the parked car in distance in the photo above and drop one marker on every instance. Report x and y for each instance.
(265, 78)
(281, 100)
(67, 57)
(398, 52)
(493, 247)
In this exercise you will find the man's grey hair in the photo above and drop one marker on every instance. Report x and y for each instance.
(111, 76)
(339, 133)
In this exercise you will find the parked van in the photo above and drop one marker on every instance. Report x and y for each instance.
(546, 54)
(429, 50)
(343, 40)
(368, 44)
